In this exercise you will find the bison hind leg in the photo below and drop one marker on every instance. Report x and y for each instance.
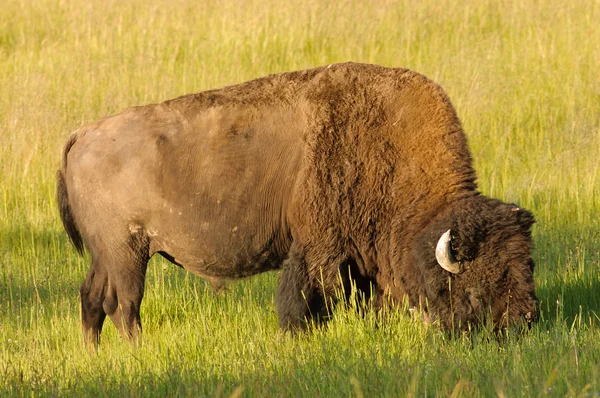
(92, 293)
(115, 287)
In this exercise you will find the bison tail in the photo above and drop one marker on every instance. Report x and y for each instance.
(66, 215)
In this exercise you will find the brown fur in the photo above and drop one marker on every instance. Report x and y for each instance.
(343, 172)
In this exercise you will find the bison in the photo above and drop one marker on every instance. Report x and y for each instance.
(343, 175)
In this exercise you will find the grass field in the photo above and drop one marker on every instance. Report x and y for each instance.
(524, 77)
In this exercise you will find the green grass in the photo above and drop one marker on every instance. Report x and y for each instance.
(524, 78)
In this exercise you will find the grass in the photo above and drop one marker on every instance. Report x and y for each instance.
(523, 76)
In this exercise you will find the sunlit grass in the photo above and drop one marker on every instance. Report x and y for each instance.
(523, 77)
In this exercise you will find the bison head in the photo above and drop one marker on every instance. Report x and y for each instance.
(476, 259)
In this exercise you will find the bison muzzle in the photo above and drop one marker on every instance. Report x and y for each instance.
(345, 175)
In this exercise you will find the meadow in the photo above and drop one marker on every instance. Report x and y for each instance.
(524, 78)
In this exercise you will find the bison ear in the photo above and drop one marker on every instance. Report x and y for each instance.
(524, 217)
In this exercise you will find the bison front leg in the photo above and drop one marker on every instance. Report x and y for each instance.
(299, 299)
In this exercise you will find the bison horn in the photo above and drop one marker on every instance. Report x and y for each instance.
(444, 256)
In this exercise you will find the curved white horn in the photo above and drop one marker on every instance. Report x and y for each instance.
(444, 256)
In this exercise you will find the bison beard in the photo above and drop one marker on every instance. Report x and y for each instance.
(339, 174)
